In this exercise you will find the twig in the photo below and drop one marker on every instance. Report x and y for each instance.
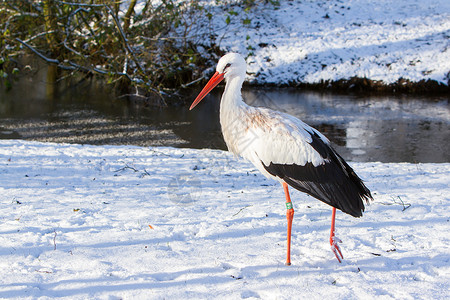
(167, 38)
(98, 70)
(82, 4)
(127, 17)
(126, 167)
(54, 240)
(241, 210)
(405, 205)
(132, 95)
(39, 35)
(47, 272)
(145, 173)
(125, 40)
(192, 82)
(68, 32)
(125, 65)
(159, 152)
(49, 60)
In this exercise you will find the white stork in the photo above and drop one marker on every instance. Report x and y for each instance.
(286, 149)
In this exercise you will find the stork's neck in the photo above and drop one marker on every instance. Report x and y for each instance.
(232, 114)
(232, 97)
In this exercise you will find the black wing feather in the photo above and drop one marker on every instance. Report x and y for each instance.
(333, 182)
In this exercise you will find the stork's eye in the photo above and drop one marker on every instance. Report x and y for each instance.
(227, 66)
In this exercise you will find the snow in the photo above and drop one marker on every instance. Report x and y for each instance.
(124, 222)
(314, 41)
(75, 224)
(309, 41)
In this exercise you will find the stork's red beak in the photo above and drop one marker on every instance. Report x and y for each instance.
(215, 80)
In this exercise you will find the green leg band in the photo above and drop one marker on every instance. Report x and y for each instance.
(289, 205)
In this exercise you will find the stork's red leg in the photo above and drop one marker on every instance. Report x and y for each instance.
(333, 239)
(289, 217)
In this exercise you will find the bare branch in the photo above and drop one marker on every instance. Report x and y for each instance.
(82, 4)
(146, 49)
(126, 18)
(48, 60)
(68, 31)
(37, 36)
(73, 66)
(192, 82)
(125, 40)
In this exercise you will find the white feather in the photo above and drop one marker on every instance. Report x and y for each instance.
(261, 134)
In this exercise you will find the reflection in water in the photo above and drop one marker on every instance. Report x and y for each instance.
(383, 128)
(386, 128)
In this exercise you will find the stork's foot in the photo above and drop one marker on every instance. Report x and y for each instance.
(335, 248)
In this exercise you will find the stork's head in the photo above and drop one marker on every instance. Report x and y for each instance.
(229, 66)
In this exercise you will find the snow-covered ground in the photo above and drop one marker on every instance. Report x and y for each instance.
(310, 41)
(121, 222)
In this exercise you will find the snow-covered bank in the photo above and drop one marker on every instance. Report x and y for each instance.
(314, 41)
(75, 224)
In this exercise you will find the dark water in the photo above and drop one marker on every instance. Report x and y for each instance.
(372, 128)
